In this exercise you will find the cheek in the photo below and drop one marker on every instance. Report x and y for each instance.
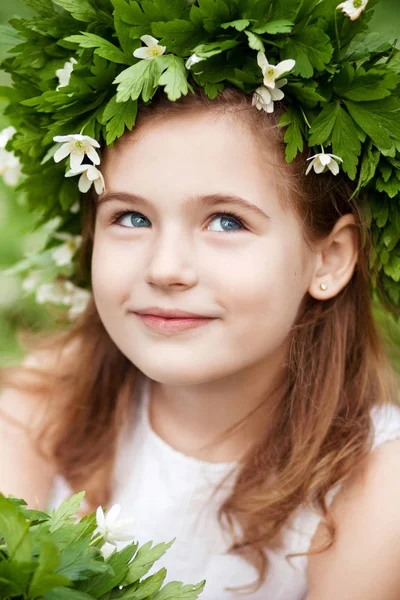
(264, 290)
(109, 272)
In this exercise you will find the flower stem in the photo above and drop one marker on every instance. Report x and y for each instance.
(96, 539)
(305, 118)
(336, 30)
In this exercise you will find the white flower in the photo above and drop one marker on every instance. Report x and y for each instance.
(64, 292)
(322, 160)
(264, 98)
(75, 208)
(273, 72)
(64, 74)
(64, 253)
(50, 292)
(6, 135)
(89, 174)
(31, 282)
(77, 146)
(152, 48)
(10, 167)
(192, 60)
(353, 8)
(78, 301)
(112, 530)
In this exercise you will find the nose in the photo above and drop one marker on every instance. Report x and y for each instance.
(172, 260)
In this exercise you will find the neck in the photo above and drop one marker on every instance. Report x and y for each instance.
(191, 417)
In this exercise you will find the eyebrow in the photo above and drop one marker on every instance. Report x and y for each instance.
(205, 200)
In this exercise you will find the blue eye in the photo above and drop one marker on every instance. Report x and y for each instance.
(136, 220)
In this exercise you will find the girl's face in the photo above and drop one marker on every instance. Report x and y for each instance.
(249, 272)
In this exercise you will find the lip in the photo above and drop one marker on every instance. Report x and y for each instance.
(172, 325)
(170, 313)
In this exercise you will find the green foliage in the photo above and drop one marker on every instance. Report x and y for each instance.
(58, 557)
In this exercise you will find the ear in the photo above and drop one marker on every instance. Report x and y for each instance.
(336, 258)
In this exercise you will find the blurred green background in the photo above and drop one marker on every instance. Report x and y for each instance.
(18, 311)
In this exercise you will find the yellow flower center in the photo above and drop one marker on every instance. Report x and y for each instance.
(357, 3)
(78, 145)
(271, 71)
(154, 51)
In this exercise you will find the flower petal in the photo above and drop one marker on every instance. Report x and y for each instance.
(92, 141)
(100, 519)
(318, 167)
(62, 138)
(76, 160)
(84, 184)
(149, 40)
(334, 167)
(92, 154)
(337, 157)
(112, 514)
(99, 185)
(62, 153)
(310, 166)
(325, 158)
(141, 53)
(284, 67)
(262, 60)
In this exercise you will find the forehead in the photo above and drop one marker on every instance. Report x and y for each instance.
(200, 154)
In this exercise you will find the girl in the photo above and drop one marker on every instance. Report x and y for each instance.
(255, 427)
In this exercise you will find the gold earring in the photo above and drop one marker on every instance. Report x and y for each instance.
(323, 286)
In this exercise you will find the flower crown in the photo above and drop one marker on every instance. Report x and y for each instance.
(81, 67)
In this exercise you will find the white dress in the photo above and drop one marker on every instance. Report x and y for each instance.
(164, 490)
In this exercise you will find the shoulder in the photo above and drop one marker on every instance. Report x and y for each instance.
(363, 563)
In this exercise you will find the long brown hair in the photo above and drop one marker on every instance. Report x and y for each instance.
(337, 366)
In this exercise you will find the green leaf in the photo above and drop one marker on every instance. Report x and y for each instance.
(13, 580)
(390, 187)
(141, 78)
(142, 15)
(293, 134)
(274, 27)
(213, 89)
(365, 86)
(81, 10)
(255, 42)
(15, 531)
(104, 48)
(369, 164)
(285, 10)
(65, 513)
(305, 93)
(118, 561)
(213, 48)
(175, 590)
(44, 580)
(322, 127)
(178, 36)
(118, 116)
(8, 39)
(210, 14)
(149, 586)
(311, 49)
(174, 78)
(144, 560)
(364, 44)
(379, 119)
(77, 559)
(345, 142)
(239, 24)
(64, 593)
